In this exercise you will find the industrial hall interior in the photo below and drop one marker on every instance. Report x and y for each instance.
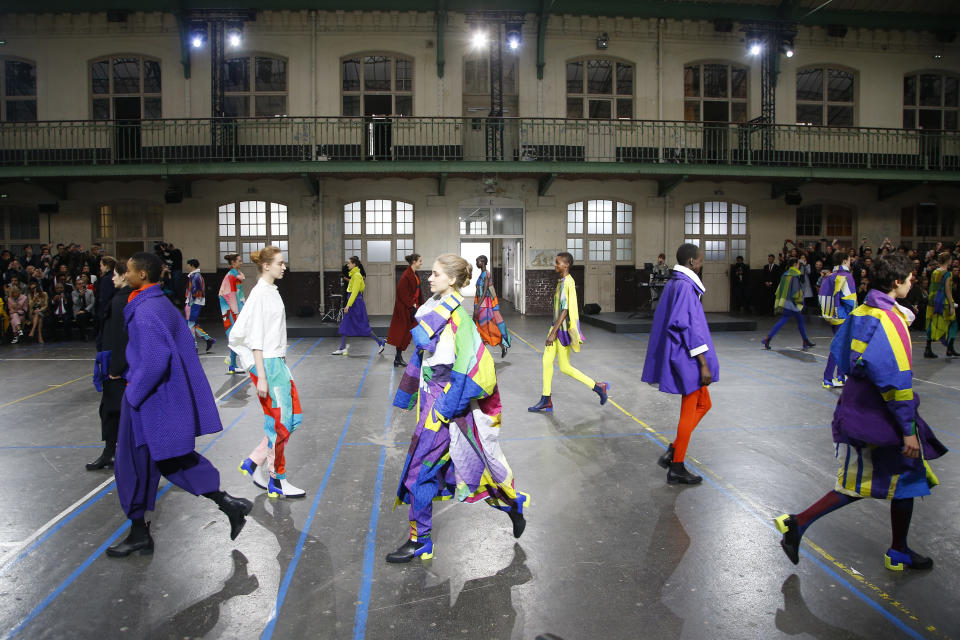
(650, 278)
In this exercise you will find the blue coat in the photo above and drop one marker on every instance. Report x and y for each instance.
(679, 327)
(169, 398)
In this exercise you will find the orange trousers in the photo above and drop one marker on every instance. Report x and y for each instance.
(692, 409)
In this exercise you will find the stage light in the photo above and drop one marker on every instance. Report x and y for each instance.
(788, 53)
(603, 41)
(514, 35)
(479, 39)
(234, 37)
(756, 48)
(513, 43)
(755, 43)
(786, 46)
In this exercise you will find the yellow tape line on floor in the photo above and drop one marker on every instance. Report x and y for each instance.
(888, 599)
(53, 387)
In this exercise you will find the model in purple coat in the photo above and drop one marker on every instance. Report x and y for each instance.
(681, 358)
(166, 405)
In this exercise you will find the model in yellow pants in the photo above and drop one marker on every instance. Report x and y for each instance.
(552, 352)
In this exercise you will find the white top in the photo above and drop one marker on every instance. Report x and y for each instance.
(261, 325)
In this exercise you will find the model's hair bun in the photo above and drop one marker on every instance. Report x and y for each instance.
(456, 268)
(264, 256)
(254, 256)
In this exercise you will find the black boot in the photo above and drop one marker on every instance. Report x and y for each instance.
(235, 508)
(519, 522)
(137, 540)
(410, 550)
(666, 458)
(679, 474)
(503, 351)
(105, 460)
(790, 542)
(928, 353)
(398, 360)
(951, 353)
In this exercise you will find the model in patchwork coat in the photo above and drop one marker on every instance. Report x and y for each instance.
(451, 383)
(789, 301)
(941, 308)
(231, 301)
(838, 297)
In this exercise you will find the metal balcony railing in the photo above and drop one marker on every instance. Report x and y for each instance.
(407, 139)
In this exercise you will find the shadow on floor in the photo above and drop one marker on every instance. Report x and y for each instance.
(795, 618)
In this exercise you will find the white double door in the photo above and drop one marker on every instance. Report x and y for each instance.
(381, 280)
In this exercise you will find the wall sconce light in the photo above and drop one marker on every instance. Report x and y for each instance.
(603, 40)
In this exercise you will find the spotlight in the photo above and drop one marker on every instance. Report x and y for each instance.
(197, 42)
(788, 53)
(755, 47)
(479, 39)
(514, 35)
(513, 43)
(234, 36)
(786, 46)
(603, 40)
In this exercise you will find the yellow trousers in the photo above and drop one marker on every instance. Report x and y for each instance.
(554, 351)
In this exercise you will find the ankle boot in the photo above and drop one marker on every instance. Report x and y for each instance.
(898, 560)
(950, 351)
(928, 353)
(601, 389)
(503, 351)
(667, 457)
(410, 550)
(516, 514)
(790, 542)
(236, 510)
(105, 459)
(398, 361)
(544, 406)
(679, 474)
(138, 539)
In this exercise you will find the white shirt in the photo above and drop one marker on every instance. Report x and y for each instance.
(261, 326)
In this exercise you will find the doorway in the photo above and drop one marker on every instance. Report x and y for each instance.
(126, 113)
(377, 110)
(597, 278)
(512, 260)
(716, 115)
(469, 252)
(380, 284)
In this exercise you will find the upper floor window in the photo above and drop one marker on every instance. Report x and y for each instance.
(250, 225)
(599, 88)
(261, 93)
(825, 96)
(125, 87)
(600, 230)
(717, 227)
(124, 228)
(930, 101)
(715, 92)
(18, 91)
(377, 85)
(830, 221)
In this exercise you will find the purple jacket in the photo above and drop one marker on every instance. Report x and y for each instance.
(170, 399)
(679, 328)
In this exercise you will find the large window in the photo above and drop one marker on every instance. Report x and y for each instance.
(371, 228)
(600, 231)
(830, 221)
(715, 92)
(925, 224)
(250, 225)
(18, 226)
(599, 88)
(717, 227)
(18, 91)
(124, 228)
(377, 85)
(825, 96)
(930, 100)
(261, 93)
(125, 87)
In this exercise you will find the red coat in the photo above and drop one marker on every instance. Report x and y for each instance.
(409, 297)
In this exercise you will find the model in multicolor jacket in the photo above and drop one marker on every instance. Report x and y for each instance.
(941, 308)
(838, 297)
(486, 311)
(882, 442)
(231, 301)
(451, 382)
(196, 300)
(566, 332)
(789, 300)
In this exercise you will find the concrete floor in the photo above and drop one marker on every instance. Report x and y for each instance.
(611, 551)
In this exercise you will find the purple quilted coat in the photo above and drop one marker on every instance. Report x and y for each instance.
(170, 399)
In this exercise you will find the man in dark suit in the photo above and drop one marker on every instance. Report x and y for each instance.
(771, 278)
(740, 285)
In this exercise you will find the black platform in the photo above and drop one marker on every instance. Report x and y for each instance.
(622, 323)
(314, 328)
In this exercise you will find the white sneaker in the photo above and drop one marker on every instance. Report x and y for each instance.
(341, 352)
(260, 477)
(838, 382)
(383, 345)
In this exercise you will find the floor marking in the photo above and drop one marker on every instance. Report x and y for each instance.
(756, 510)
(366, 581)
(53, 387)
(116, 534)
(295, 560)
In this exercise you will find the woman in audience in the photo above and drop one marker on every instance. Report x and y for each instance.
(18, 308)
(39, 308)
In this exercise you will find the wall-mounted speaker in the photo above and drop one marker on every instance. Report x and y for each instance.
(48, 207)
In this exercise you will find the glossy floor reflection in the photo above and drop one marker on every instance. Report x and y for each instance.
(610, 551)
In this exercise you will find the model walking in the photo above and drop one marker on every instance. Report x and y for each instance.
(231, 301)
(486, 311)
(111, 364)
(167, 403)
(259, 338)
(195, 301)
(566, 331)
(941, 308)
(408, 300)
(882, 442)
(838, 298)
(355, 321)
(789, 300)
(680, 356)
(452, 382)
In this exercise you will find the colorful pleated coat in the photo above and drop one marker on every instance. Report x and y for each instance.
(838, 296)
(565, 297)
(789, 293)
(941, 314)
(451, 382)
(878, 406)
(486, 307)
(231, 298)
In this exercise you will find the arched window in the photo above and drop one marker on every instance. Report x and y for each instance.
(18, 91)
(715, 92)
(250, 225)
(830, 221)
(124, 228)
(930, 100)
(825, 96)
(717, 227)
(377, 84)
(262, 93)
(600, 231)
(125, 87)
(599, 88)
(925, 224)
(378, 230)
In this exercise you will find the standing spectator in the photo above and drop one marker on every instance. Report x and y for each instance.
(18, 307)
(60, 257)
(91, 260)
(740, 277)
(61, 307)
(75, 259)
(863, 287)
(5, 259)
(91, 276)
(39, 308)
(29, 258)
(771, 278)
(83, 306)
(13, 269)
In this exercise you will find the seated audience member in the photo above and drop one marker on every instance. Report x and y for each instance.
(18, 308)
(61, 312)
(83, 304)
(39, 308)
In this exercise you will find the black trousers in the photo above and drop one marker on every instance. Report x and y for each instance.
(110, 402)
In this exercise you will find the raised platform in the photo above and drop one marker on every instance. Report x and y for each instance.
(621, 323)
(314, 328)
